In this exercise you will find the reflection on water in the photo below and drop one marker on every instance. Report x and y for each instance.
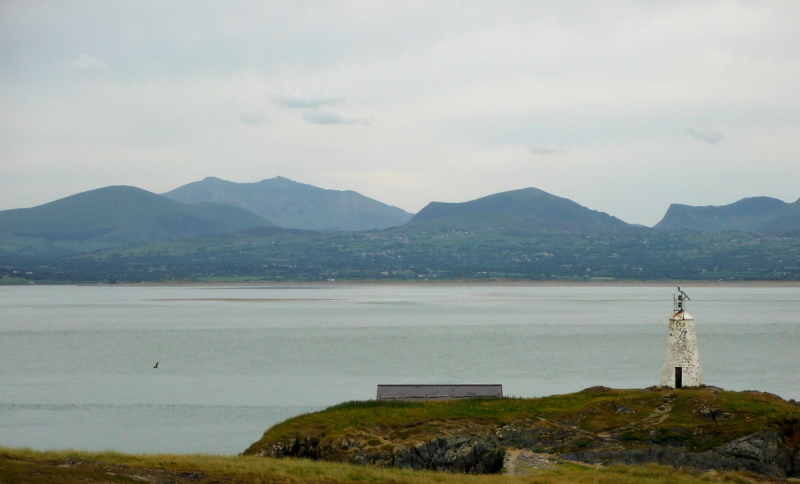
(76, 363)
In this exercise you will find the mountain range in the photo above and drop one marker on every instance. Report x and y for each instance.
(295, 205)
(120, 215)
(123, 215)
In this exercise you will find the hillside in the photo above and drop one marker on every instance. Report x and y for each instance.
(528, 208)
(700, 429)
(295, 205)
(756, 214)
(114, 216)
(24, 466)
(426, 253)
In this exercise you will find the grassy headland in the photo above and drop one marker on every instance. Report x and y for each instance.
(701, 418)
(697, 419)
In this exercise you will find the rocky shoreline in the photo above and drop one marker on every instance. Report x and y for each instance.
(772, 451)
(764, 453)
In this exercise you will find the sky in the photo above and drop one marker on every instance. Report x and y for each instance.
(624, 107)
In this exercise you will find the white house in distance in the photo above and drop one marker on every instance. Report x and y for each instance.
(682, 358)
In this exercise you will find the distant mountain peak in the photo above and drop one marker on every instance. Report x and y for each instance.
(122, 215)
(748, 214)
(295, 205)
(531, 207)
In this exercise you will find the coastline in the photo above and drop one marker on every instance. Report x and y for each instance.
(459, 283)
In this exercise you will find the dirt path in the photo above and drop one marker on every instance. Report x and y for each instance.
(520, 462)
(661, 413)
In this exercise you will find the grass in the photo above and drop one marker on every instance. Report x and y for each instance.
(24, 466)
(595, 410)
(414, 418)
(381, 425)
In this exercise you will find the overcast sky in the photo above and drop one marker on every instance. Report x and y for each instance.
(624, 107)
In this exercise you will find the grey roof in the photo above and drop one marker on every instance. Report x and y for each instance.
(437, 392)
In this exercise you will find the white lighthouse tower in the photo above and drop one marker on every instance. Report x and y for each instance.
(682, 359)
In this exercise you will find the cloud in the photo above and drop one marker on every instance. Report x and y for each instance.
(88, 63)
(451, 87)
(542, 150)
(251, 118)
(323, 117)
(711, 137)
(320, 117)
(307, 103)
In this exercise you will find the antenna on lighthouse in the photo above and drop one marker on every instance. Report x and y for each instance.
(680, 300)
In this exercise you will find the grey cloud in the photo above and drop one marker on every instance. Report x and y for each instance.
(542, 150)
(88, 63)
(251, 118)
(710, 137)
(306, 103)
(318, 117)
(321, 117)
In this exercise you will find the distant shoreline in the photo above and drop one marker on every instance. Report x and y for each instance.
(469, 282)
(437, 283)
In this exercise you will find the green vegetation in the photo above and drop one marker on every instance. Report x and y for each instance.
(20, 466)
(594, 410)
(431, 251)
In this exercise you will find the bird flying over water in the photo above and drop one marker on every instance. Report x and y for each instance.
(156, 366)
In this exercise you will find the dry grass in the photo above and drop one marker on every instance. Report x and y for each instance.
(23, 466)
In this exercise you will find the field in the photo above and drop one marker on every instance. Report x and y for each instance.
(21, 466)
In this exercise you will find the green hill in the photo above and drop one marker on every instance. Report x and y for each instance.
(528, 208)
(699, 428)
(756, 214)
(295, 205)
(114, 216)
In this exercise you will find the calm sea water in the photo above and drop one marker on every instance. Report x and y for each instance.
(76, 363)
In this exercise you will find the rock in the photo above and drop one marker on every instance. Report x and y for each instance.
(796, 462)
(623, 409)
(764, 453)
(474, 455)
(715, 414)
(541, 436)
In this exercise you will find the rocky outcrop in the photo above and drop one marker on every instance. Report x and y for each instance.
(764, 453)
(699, 429)
(473, 455)
(543, 436)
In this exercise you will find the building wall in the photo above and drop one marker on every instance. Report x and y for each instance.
(682, 352)
(437, 392)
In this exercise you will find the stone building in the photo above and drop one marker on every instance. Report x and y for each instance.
(682, 358)
(424, 393)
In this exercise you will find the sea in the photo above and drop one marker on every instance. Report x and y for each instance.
(77, 362)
